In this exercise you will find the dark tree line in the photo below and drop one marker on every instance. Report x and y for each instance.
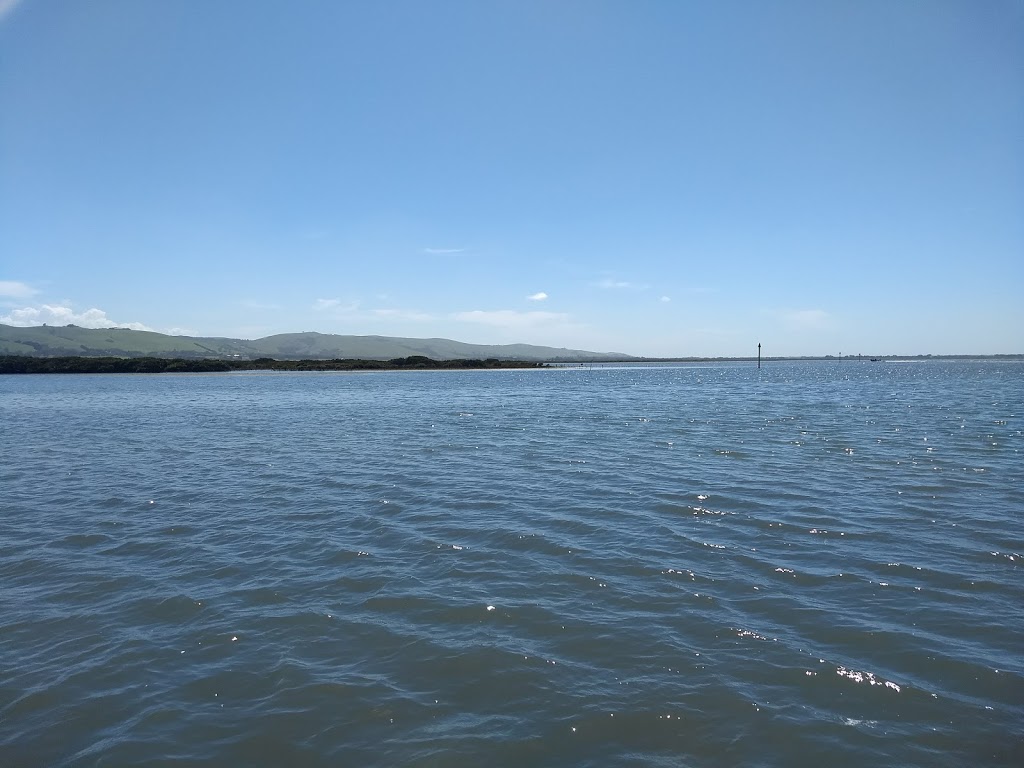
(23, 364)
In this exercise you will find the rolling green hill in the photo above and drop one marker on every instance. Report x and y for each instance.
(55, 341)
(70, 340)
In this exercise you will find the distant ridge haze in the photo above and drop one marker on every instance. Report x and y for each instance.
(53, 341)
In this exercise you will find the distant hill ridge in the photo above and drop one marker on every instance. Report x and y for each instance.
(71, 340)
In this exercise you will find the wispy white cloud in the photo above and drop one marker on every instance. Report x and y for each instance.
(510, 318)
(6, 6)
(610, 284)
(16, 290)
(805, 319)
(322, 305)
(250, 304)
(62, 315)
(402, 314)
(664, 299)
(539, 296)
(354, 311)
(441, 251)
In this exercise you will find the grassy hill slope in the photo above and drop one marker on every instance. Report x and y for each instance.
(321, 345)
(54, 341)
(50, 341)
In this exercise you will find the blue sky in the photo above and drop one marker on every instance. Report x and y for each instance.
(657, 178)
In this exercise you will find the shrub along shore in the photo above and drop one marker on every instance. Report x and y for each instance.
(24, 364)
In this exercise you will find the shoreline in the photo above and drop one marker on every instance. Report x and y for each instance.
(25, 365)
(77, 364)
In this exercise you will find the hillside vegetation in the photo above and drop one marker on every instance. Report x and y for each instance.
(72, 341)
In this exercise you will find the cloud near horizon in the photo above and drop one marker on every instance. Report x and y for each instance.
(50, 314)
(353, 310)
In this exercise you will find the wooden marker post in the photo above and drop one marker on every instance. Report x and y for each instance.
(759, 355)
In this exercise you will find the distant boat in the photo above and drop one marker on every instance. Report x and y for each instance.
(875, 359)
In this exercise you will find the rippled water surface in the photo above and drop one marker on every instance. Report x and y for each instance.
(621, 566)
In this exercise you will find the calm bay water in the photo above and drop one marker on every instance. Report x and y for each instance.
(691, 565)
